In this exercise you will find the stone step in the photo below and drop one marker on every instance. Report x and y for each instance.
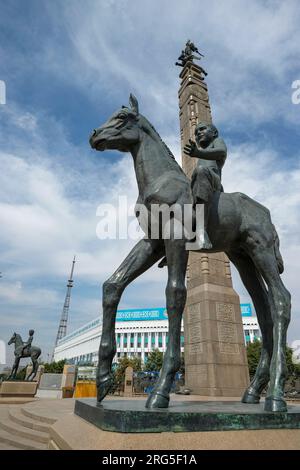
(19, 442)
(18, 417)
(4, 446)
(15, 429)
(35, 416)
(18, 430)
(16, 400)
(52, 445)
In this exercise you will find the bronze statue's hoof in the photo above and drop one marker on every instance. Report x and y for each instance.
(103, 387)
(275, 405)
(250, 398)
(157, 400)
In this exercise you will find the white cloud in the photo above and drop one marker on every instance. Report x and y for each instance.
(17, 294)
(43, 226)
(251, 51)
(260, 172)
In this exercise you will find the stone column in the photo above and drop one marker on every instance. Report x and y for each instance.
(215, 354)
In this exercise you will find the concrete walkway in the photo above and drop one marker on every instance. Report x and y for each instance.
(51, 424)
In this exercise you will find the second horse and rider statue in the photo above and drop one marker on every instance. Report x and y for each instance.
(24, 349)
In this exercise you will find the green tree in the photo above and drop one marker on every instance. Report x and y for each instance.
(154, 361)
(119, 372)
(182, 364)
(293, 368)
(55, 367)
(21, 374)
(253, 355)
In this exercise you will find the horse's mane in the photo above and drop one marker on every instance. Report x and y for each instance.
(169, 153)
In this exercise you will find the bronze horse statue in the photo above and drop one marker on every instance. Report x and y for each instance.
(238, 226)
(32, 351)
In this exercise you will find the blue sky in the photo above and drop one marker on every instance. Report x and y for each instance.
(67, 66)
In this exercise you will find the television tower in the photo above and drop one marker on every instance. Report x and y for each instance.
(62, 328)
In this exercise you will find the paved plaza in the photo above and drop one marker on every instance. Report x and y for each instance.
(44, 424)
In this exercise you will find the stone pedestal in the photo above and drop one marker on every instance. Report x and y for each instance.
(131, 416)
(215, 355)
(18, 389)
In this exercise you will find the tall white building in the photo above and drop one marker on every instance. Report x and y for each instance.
(138, 332)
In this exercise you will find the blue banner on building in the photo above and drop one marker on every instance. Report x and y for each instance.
(160, 313)
(246, 310)
(140, 315)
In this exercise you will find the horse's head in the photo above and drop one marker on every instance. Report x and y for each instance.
(121, 131)
(12, 339)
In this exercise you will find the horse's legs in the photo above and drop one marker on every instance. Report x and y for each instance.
(258, 292)
(35, 366)
(145, 253)
(14, 368)
(177, 258)
(280, 304)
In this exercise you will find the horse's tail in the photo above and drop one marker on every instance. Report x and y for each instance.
(35, 351)
(272, 231)
(278, 256)
(38, 352)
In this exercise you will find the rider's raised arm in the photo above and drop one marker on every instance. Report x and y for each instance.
(217, 152)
